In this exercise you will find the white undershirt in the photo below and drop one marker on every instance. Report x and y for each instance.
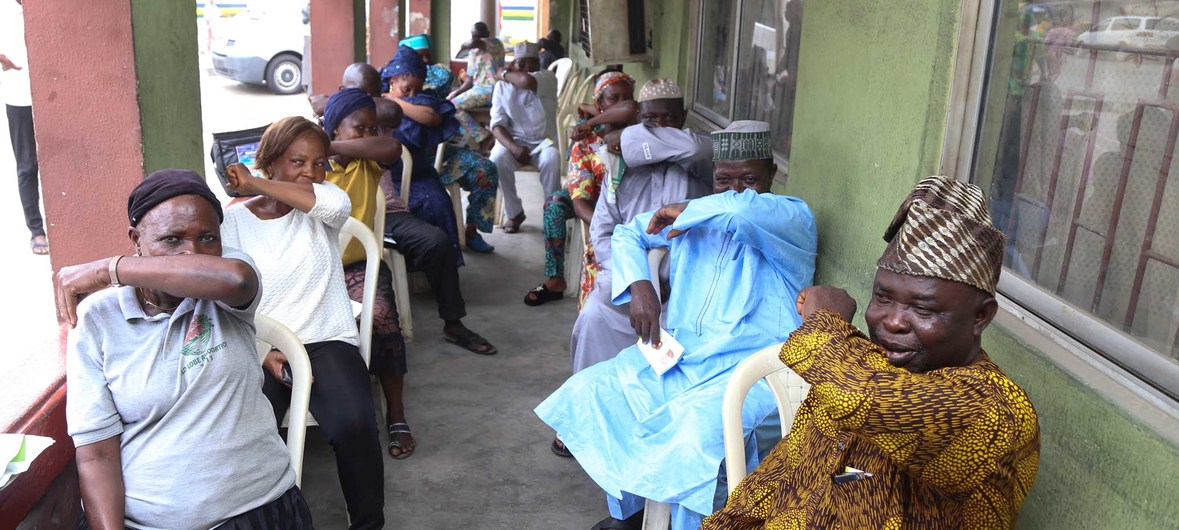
(298, 256)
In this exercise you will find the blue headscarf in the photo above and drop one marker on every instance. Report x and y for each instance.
(342, 104)
(417, 42)
(405, 62)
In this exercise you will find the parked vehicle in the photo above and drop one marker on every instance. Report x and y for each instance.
(264, 45)
(1131, 32)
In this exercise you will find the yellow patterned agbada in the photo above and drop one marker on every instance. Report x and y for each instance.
(952, 448)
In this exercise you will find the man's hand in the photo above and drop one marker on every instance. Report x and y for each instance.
(318, 103)
(77, 281)
(273, 364)
(239, 180)
(644, 312)
(826, 297)
(520, 153)
(613, 141)
(665, 217)
(7, 64)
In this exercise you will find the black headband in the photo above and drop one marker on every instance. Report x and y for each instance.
(165, 184)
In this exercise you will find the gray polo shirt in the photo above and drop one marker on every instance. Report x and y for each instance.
(184, 393)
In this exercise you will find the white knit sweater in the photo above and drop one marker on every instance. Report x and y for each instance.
(298, 256)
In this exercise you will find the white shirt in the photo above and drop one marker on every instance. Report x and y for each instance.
(298, 258)
(516, 109)
(14, 84)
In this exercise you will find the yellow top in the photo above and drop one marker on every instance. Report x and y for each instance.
(951, 448)
(360, 180)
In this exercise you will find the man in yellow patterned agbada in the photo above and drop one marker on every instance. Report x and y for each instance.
(911, 426)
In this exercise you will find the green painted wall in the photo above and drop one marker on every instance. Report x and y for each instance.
(169, 84)
(440, 30)
(671, 35)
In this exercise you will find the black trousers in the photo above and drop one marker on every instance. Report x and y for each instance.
(427, 249)
(343, 406)
(288, 512)
(24, 150)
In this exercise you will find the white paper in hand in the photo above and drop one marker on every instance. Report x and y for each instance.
(664, 357)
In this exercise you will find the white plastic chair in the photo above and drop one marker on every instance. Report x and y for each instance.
(372, 255)
(656, 515)
(272, 334)
(561, 68)
(789, 391)
(574, 254)
(395, 260)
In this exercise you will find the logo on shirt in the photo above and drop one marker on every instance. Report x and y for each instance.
(196, 343)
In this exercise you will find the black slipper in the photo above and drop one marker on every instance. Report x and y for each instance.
(543, 295)
(559, 448)
(469, 340)
(394, 443)
(634, 522)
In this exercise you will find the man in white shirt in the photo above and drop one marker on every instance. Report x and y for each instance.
(523, 117)
(18, 101)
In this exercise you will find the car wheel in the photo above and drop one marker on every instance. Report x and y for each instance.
(284, 74)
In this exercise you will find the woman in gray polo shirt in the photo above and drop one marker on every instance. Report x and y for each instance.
(164, 400)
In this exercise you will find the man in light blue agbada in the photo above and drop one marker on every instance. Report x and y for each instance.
(738, 261)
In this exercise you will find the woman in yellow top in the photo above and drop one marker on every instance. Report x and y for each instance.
(350, 115)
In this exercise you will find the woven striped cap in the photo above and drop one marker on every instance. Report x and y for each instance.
(742, 140)
(944, 230)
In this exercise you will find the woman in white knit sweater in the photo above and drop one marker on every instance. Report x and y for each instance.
(291, 230)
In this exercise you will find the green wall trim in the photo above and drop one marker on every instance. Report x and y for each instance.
(359, 31)
(440, 30)
(168, 76)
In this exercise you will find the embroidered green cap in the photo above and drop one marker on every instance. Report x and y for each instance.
(742, 140)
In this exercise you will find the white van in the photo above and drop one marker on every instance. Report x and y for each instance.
(263, 45)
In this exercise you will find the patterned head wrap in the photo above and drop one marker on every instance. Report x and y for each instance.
(526, 50)
(659, 89)
(609, 78)
(163, 185)
(943, 230)
(344, 103)
(416, 42)
(742, 140)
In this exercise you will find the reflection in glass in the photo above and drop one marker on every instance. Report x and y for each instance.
(716, 55)
(768, 66)
(1082, 177)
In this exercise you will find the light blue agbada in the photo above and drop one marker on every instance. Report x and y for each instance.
(735, 275)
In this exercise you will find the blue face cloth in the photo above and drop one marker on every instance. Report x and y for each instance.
(342, 104)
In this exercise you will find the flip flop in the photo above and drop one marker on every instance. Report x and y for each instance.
(469, 340)
(559, 448)
(513, 225)
(40, 248)
(543, 295)
(477, 244)
(394, 443)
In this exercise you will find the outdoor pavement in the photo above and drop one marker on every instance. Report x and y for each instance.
(483, 458)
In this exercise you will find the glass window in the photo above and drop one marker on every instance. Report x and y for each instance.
(713, 81)
(1080, 167)
(1123, 24)
(763, 84)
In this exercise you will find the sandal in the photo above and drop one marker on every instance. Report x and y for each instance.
(559, 448)
(513, 224)
(477, 244)
(540, 295)
(39, 245)
(471, 341)
(394, 443)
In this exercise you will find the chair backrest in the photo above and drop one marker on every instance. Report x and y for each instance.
(561, 67)
(406, 172)
(789, 390)
(654, 259)
(439, 157)
(272, 334)
(372, 255)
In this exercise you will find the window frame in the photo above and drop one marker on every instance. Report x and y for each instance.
(699, 114)
(1146, 370)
